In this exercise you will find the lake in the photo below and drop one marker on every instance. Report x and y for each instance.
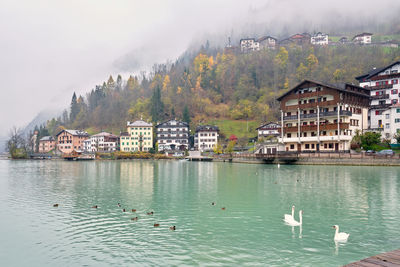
(363, 201)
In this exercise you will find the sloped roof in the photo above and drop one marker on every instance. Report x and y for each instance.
(340, 87)
(375, 72)
(74, 132)
(265, 38)
(361, 34)
(178, 122)
(269, 123)
(139, 123)
(104, 134)
(47, 138)
(206, 128)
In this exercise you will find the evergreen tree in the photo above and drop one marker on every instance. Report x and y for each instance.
(119, 83)
(157, 106)
(110, 83)
(186, 115)
(74, 108)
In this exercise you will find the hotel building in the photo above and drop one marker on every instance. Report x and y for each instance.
(321, 117)
(139, 137)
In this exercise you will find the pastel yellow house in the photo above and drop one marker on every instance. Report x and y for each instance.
(139, 137)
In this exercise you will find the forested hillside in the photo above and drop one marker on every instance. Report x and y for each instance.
(213, 85)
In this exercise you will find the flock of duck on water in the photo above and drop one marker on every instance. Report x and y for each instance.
(173, 227)
(289, 219)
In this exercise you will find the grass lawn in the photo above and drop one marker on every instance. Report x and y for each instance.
(236, 127)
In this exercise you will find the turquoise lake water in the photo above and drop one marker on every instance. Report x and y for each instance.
(363, 201)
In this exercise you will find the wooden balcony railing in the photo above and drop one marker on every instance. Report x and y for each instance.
(313, 128)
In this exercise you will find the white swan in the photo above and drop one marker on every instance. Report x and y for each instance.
(289, 217)
(340, 236)
(293, 222)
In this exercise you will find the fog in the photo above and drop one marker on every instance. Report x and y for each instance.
(50, 48)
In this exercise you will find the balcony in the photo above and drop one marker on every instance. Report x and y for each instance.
(385, 96)
(313, 128)
(313, 105)
(380, 87)
(321, 115)
(305, 95)
(324, 138)
(380, 106)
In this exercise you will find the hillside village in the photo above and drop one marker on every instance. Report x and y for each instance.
(314, 117)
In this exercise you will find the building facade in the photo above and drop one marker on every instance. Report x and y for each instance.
(363, 38)
(267, 42)
(47, 144)
(139, 137)
(268, 130)
(172, 135)
(384, 112)
(249, 45)
(322, 117)
(71, 140)
(102, 142)
(206, 138)
(320, 39)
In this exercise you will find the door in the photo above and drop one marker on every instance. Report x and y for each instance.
(336, 147)
(318, 147)
(298, 147)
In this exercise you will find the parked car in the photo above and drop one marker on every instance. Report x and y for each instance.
(369, 152)
(385, 152)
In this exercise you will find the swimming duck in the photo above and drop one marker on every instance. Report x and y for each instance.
(156, 225)
(213, 203)
(223, 208)
(150, 213)
(134, 219)
(55, 205)
(173, 228)
(94, 207)
(133, 210)
(124, 210)
(119, 204)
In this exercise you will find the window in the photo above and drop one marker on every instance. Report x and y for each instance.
(289, 135)
(396, 120)
(387, 116)
(394, 101)
(394, 91)
(387, 126)
(330, 145)
(398, 110)
(291, 146)
(307, 146)
(325, 146)
(312, 146)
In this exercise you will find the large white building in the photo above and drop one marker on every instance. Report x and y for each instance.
(268, 130)
(384, 112)
(172, 135)
(206, 138)
(320, 39)
(249, 45)
(101, 142)
(267, 42)
(363, 38)
(320, 117)
(139, 137)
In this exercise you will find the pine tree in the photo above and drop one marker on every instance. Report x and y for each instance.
(74, 108)
(119, 83)
(157, 106)
(186, 115)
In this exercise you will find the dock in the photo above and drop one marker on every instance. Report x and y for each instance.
(389, 259)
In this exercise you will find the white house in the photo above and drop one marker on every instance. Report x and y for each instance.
(206, 138)
(249, 45)
(363, 38)
(268, 42)
(101, 142)
(384, 111)
(268, 130)
(172, 135)
(320, 39)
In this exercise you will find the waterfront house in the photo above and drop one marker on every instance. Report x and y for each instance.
(206, 138)
(384, 112)
(102, 142)
(139, 137)
(317, 116)
(71, 140)
(249, 45)
(363, 38)
(172, 135)
(268, 130)
(47, 144)
(267, 42)
(320, 39)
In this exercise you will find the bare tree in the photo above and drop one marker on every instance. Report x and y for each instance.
(16, 144)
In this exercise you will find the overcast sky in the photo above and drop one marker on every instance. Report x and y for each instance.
(50, 48)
